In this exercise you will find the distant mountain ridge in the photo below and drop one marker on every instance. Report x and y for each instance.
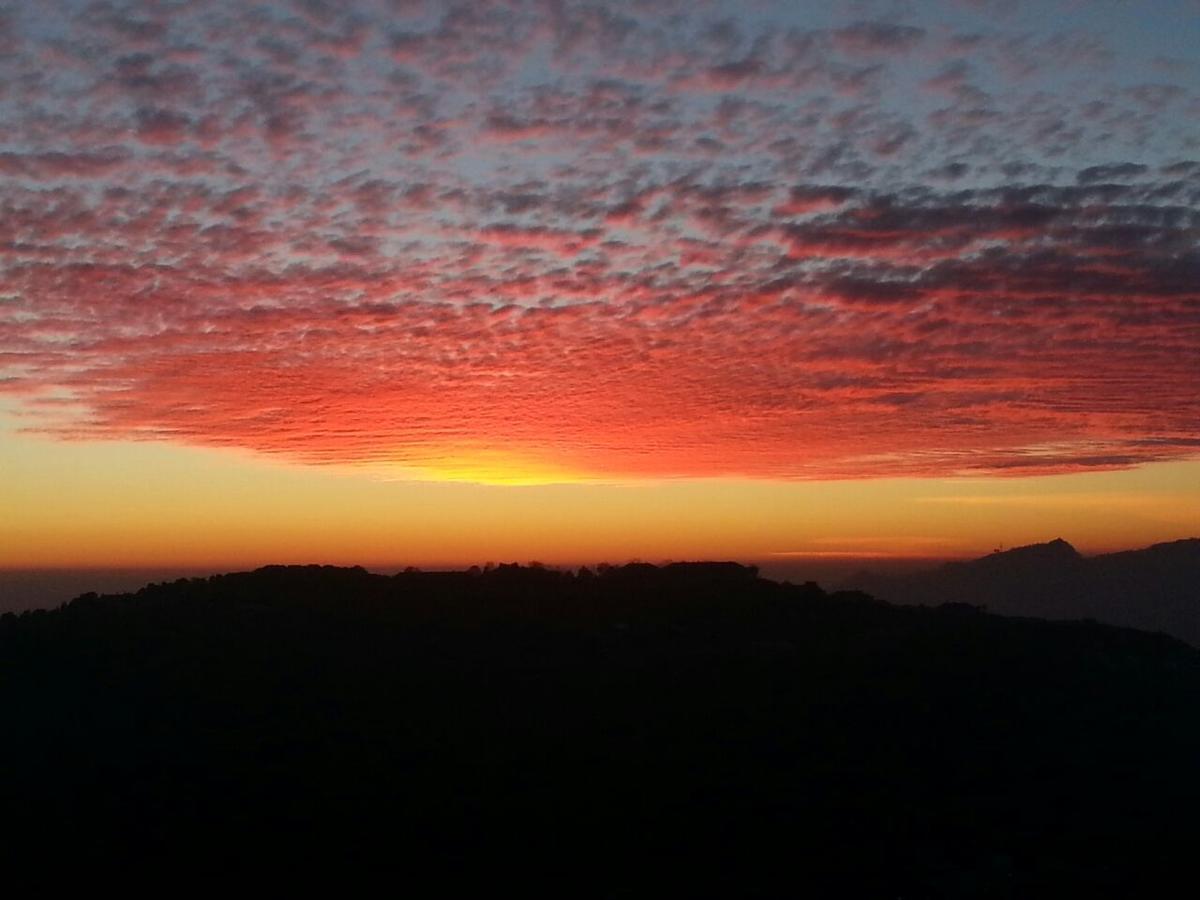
(1154, 589)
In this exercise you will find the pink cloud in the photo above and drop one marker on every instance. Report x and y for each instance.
(629, 243)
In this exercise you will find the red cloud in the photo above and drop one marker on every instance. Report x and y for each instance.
(321, 234)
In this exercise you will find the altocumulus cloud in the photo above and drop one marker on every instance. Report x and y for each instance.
(648, 239)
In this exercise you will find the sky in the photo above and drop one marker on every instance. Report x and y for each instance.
(401, 282)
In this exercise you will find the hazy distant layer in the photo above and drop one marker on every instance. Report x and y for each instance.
(1154, 589)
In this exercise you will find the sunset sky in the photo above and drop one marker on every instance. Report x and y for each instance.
(391, 282)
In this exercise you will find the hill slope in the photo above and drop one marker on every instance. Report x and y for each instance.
(692, 729)
(1154, 589)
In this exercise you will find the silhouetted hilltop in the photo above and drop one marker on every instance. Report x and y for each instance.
(630, 731)
(1030, 557)
(1154, 589)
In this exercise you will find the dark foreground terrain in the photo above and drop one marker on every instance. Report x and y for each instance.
(689, 730)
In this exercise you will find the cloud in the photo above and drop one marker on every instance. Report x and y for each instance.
(161, 126)
(659, 242)
(53, 165)
(871, 38)
(1116, 172)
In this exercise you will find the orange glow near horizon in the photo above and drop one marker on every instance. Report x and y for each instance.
(129, 505)
(442, 283)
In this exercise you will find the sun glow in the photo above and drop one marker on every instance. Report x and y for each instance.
(485, 466)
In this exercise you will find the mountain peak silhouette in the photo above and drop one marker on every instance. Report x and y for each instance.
(1152, 588)
(1049, 552)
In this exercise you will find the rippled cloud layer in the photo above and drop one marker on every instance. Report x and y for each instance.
(646, 239)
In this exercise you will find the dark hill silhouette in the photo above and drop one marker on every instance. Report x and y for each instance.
(1154, 589)
(635, 731)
